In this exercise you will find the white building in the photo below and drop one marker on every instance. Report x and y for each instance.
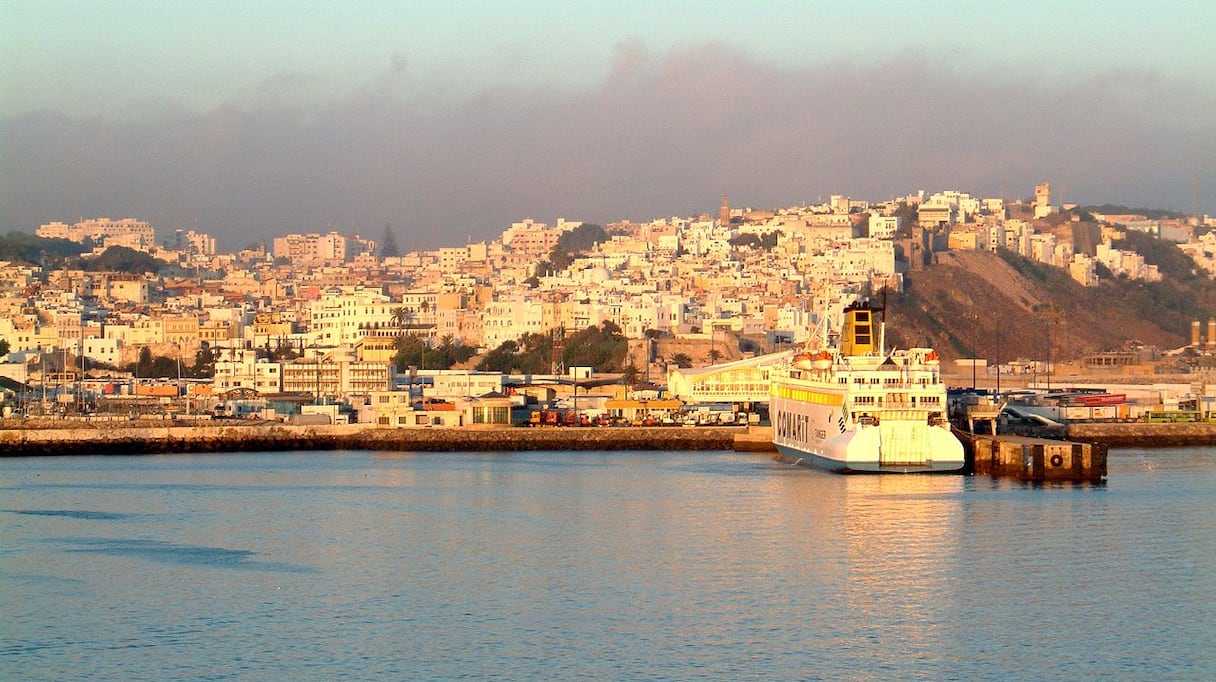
(129, 232)
(241, 369)
(343, 317)
(315, 250)
(883, 227)
(1082, 270)
(509, 319)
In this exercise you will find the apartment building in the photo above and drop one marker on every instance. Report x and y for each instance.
(129, 232)
(316, 250)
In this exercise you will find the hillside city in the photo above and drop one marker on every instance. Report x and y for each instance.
(667, 312)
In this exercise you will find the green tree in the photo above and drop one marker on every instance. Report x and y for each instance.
(630, 374)
(4, 347)
(158, 367)
(571, 244)
(165, 367)
(603, 348)
(21, 247)
(411, 352)
(681, 360)
(1150, 213)
(388, 245)
(143, 366)
(401, 317)
(204, 363)
(754, 241)
(504, 358)
(123, 259)
(907, 214)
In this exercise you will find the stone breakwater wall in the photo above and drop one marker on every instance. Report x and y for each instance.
(1121, 435)
(112, 440)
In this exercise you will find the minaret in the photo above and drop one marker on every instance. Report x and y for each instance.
(724, 212)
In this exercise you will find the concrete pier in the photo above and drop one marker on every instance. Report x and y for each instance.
(115, 440)
(1141, 434)
(755, 439)
(1036, 459)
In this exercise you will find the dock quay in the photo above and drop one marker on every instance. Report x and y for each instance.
(1143, 434)
(1035, 459)
(271, 437)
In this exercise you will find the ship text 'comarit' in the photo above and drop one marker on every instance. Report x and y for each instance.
(797, 427)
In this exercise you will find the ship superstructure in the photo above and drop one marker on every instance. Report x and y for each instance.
(851, 406)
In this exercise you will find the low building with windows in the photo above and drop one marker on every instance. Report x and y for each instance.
(400, 410)
(489, 410)
(741, 381)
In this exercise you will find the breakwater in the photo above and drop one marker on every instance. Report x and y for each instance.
(1140, 434)
(271, 437)
(76, 438)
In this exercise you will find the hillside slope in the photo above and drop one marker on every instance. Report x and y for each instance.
(973, 303)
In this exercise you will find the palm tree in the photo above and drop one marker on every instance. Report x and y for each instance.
(401, 316)
(681, 360)
(629, 375)
(714, 356)
(447, 348)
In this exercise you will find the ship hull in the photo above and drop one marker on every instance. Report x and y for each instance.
(814, 461)
(821, 435)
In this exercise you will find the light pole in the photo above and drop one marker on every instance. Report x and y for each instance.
(998, 361)
(42, 379)
(1050, 353)
(974, 323)
(316, 359)
(180, 392)
(80, 380)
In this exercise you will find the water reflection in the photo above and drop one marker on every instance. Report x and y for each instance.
(599, 565)
(172, 553)
(80, 514)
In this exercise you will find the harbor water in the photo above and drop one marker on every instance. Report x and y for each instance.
(599, 565)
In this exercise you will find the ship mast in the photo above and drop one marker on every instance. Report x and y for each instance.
(882, 325)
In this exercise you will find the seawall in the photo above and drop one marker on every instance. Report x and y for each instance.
(1137, 434)
(118, 440)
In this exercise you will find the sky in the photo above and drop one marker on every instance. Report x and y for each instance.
(451, 120)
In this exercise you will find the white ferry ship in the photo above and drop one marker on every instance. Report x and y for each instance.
(853, 407)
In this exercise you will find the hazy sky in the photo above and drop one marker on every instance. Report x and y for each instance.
(450, 120)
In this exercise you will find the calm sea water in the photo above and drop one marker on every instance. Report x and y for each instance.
(547, 565)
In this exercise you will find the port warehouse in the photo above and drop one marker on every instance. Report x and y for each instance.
(1106, 403)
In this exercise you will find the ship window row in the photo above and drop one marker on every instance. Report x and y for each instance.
(721, 386)
(897, 400)
(805, 396)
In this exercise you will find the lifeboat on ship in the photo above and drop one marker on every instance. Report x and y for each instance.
(821, 359)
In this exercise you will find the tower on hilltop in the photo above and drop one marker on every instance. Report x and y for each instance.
(724, 212)
(1042, 200)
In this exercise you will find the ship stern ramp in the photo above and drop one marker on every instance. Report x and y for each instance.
(902, 446)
